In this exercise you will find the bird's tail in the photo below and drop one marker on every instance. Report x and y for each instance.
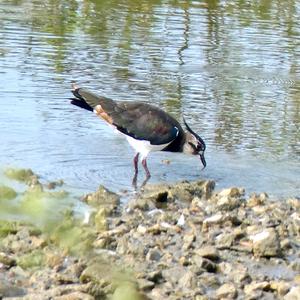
(88, 100)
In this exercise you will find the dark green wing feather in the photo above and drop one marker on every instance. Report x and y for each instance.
(145, 122)
(139, 120)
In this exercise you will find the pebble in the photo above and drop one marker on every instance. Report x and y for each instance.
(188, 281)
(214, 219)
(231, 192)
(254, 286)
(266, 243)
(74, 296)
(281, 287)
(188, 241)
(226, 291)
(166, 248)
(7, 260)
(153, 254)
(293, 294)
(209, 252)
(204, 264)
(145, 284)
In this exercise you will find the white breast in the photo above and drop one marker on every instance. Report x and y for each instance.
(144, 147)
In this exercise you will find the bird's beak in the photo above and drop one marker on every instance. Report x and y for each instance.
(202, 159)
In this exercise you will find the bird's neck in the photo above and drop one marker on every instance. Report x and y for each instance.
(178, 144)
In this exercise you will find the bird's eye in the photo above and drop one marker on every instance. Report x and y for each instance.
(193, 146)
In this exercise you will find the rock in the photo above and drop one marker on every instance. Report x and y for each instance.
(229, 199)
(141, 229)
(293, 294)
(53, 259)
(228, 203)
(254, 286)
(209, 280)
(236, 272)
(203, 264)
(188, 240)
(209, 252)
(181, 221)
(143, 204)
(182, 191)
(155, 276)
(157, 229)
(100, 272)
(153, 255)
(186, 191)
(295, 265)
(225, 240)
(201, 297)
(18, 272)
(65, 278)
(212, 220)
(158, 293)
(145, 285)
(149, 251)
(54, 184)
(103, 198)
(297, 279)
(256, 200)
(158, 198)
(294, 202)
(74, 296)
(184, 261)
(286, 244)
(127, 291)
(7, 193)
(266, 243)
(166, 161)
(188, 281)
(281, 287)
(7, 260)
(232, 192)
(208, 187)
(226, 291)
(173, 273)
(8, 290)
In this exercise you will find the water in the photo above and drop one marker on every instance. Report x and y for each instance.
(230, 67)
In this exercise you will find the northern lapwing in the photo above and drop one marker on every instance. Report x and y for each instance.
(146, 127)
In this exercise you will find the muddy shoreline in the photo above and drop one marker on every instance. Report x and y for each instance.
(179, 241)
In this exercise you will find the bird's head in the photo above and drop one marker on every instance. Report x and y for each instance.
(194, 144)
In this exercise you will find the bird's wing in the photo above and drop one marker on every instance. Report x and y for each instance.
(138, 120)
(145, 122)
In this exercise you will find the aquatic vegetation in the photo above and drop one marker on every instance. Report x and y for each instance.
(69, 234)
(8, 227)
(32, 259)
(23, 175)
(7, 193)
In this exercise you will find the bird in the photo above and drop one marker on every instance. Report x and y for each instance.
(146, 127)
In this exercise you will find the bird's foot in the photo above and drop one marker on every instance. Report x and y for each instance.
(134, 181)
(148, 176)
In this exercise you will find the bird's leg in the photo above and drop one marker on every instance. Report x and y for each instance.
(136, 170)
(144, 163)
(135, 163)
